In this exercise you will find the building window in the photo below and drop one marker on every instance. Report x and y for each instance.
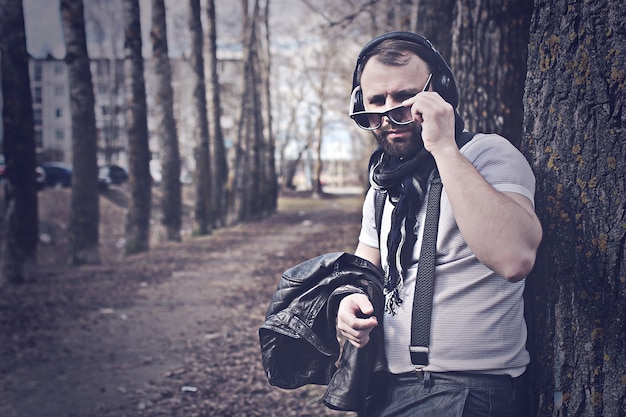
(105, 110)
(38, 139)
(37, 74)
(103, 67)
(59, 134)
(58, 68)
(38, 95)
(59, 113)
(37, 119)
(59, 90)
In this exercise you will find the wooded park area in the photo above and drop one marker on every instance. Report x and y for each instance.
(548, 75)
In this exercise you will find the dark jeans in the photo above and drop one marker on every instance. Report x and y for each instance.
(453, 394)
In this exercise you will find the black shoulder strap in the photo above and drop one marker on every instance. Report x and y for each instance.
(424, 283)
(380, 197)
(425, 280)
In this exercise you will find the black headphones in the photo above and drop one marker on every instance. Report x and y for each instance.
(443, 81)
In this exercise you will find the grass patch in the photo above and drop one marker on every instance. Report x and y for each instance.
(307, 203)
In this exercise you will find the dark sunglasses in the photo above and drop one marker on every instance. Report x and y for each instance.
(369, 120)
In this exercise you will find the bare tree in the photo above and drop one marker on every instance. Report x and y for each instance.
(219, 164)
(202, 179)
(574, 132)
(85, 211)
(140, 181)
(18, 195)
(489, 56)
(251, 131)
(171, 200)
(269, 195)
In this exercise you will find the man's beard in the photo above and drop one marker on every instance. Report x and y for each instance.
(401, 149)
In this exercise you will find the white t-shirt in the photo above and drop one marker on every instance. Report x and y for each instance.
(478, 317)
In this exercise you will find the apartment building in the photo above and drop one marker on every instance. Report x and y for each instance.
(52, 112)
(51, 109)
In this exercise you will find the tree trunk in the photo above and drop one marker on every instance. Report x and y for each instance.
(250, 124)
(257, 185)
(318, 165)
(171, 201)
(490, 39)
(219, 164)
(270, 197)
(18, 194)
(434, 20)
(85, 211)
(574, 135)
(140, 181)
(202, 178)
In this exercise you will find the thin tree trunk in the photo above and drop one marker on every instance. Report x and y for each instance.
(270, 175)
(575, 126)
(85, 211)
(219, 163)
(318, 165)
(202, 179)
(246, 168)
(140, 181)
(171, 201)
(257, 185)
(18, 194)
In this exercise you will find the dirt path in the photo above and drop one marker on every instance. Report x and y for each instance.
(169, 333)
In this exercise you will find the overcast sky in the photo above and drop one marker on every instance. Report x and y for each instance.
(44, 34)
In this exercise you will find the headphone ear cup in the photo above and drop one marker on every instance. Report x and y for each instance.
(446, 87)
(358, 101)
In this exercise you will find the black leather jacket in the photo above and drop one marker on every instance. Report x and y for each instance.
(298, 338)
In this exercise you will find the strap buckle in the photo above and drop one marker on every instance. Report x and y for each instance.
(419, 355)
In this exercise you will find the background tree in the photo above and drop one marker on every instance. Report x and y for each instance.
(219, 164)
(320, 79)
(251, 130)
(489, 41)
(434, 20)
(269, 194)
(140, 181)
(18, 196)
(85, 211)
(202, 178)
(171, 200)
(574, 135)
(105, 25)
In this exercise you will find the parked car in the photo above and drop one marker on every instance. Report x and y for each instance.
(40, 178)
(40, 175)
(57, 174)
(112, 174)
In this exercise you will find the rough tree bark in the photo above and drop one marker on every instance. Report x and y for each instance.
(575, 124)
(434, 20)
(171, 200)
(202, 154)
(18, 195)
(140, 181)
(85, 209)
(489, 55)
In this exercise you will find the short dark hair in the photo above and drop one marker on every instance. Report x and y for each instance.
(396, 52)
